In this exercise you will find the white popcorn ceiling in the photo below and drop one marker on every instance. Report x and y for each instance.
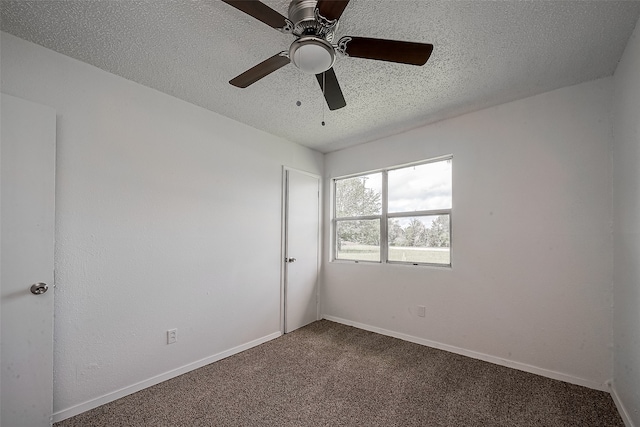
(486, 53)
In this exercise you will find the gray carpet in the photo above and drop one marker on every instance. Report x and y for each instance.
(327, 374)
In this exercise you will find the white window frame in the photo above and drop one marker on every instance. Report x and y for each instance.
(385, 216)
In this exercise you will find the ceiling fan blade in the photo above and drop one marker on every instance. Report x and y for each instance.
(331, 9)
(261, 70)
(260, 11)
(388, 50)
(331, 89)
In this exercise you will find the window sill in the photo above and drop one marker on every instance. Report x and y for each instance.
(394, 263)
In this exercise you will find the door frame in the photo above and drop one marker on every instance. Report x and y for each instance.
(283, 245)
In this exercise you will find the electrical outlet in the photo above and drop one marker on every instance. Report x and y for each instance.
(421, 310)
(172, 336)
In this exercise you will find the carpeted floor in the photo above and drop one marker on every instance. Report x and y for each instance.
(328, 374)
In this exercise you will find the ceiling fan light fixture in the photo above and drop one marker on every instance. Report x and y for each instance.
(312, 55)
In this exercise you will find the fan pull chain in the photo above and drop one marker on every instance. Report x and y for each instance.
(298, 102)
(323, 94)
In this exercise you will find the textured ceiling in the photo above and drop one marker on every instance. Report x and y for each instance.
(486, 53)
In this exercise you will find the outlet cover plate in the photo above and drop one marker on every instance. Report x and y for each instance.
(172, 336)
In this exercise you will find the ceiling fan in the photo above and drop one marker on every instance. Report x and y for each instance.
(313, 23)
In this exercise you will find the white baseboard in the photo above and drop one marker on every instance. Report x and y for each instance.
(475, 355)
(621, 408)
(110, 397)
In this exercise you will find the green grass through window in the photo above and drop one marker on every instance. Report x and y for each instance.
(411, 254)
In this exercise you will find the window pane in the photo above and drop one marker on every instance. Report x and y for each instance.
(358, 240)
(359, 196)
(424, 239)
(420, 188)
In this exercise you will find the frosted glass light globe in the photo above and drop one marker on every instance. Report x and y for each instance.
(312, 55)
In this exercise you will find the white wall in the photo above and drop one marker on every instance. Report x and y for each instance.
(626, 231)
(530, 285)
(167, 216)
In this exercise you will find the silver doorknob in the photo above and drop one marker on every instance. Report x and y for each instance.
(290, 260)
(39, 288)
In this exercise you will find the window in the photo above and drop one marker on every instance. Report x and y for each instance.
(399, 215)
(358, 212)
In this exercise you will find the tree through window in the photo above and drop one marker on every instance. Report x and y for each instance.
(359, 207)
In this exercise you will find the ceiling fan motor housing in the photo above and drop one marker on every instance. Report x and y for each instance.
(302, 13)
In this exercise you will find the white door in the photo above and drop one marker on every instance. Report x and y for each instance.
(27, 166)
(302, 233)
